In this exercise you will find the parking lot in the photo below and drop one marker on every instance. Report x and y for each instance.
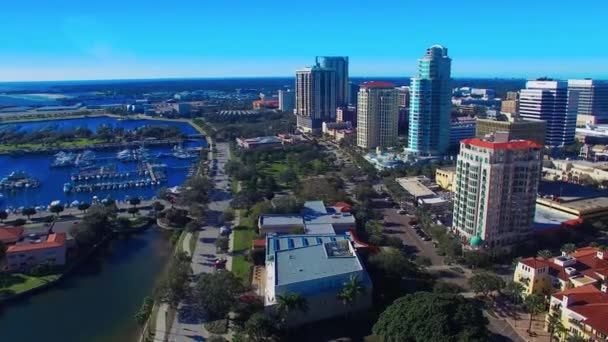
(398, 225)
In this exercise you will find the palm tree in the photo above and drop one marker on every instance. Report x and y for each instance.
(351, 291)
(575, 338)
(534, 304)
(515, 291)
(545, 254)
(555, 325)
(291, 302)
(568, 248)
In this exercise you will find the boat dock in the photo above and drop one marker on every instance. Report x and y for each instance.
(96, 147)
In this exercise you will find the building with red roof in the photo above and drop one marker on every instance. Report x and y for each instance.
(10, 235)
(23, 255)
(585, 266)
(583, 311)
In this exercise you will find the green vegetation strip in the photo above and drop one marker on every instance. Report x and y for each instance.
(241, 268)
(19, 283)
(243, 239)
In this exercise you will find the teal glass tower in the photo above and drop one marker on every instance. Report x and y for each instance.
(430, 104)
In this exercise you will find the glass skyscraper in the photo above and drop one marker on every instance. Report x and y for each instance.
(430, 103)
(340, 66)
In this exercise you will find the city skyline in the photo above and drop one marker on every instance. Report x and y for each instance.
(111, 40)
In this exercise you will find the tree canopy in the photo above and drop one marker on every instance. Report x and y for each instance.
(425, 316)
(217, 292)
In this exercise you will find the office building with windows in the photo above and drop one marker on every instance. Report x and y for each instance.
(377, 115)
(547, 100)
(287, 99)
(589, 99)
(430, 103)
(315, 98)
(340, 66)
(495, 191)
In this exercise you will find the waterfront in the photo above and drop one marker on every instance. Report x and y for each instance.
(53, 179)
(98, 302)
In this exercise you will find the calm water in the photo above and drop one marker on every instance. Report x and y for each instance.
(52, 179)
(96, 303)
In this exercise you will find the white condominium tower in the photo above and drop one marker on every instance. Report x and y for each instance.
(287, 100)
(548, 100)
(340, 66)
(495, 190)
(430, 103)
(315, 98)
(377, 115)
(589, 98)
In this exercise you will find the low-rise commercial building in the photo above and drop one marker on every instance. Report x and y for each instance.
(316, 267)
(315, 218)
(24, 255)
(588, 265)
(445, 177)
(277, 141)
(461, 128)
(577, 171)
(338, 130)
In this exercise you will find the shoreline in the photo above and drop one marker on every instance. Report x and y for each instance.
(74, 146)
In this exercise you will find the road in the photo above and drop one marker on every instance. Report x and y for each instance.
(398, 225)
(188, 323)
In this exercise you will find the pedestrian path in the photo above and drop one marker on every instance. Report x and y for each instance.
(161, 323)
(186, 243)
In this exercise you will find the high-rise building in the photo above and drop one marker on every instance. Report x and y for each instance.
(377, 115)
(353, 93)
(495, 190)
(548, 100)
(509, 106)
(315, 98)
(589, 98)
(512, 95)
(340, 65)
(287, 99)
(404, 97)
(515, 130)
(344, 114)
(430, 103)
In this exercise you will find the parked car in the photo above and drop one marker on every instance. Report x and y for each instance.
(220, 264)
(225, 231)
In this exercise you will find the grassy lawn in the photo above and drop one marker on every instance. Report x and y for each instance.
(243, 239)
(18, 283)
(241, 268)
(275, 168)
(32, 146)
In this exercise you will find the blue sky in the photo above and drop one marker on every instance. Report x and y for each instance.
(68, 39)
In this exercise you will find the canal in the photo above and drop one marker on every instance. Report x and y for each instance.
(97, 303)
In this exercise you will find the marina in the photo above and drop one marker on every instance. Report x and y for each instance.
(70, 176)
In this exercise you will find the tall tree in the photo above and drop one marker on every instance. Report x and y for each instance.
(534, 304)
(56, 209)
(84, 206)
(425, 316)
(514, 291)
(568, 248)
(28, 211)
(216, 292)
(291, 302)
(3, 215)
(486, 283)
(134, 201)
(545, 254)
(351, 291)
(554, 323)
(260, 326)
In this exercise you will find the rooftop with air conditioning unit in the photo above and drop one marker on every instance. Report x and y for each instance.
(565, 260)
(570, 270)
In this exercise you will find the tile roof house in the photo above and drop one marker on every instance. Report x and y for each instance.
(22, 256)
(588, 265)
(583, 311)
(10, 235)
